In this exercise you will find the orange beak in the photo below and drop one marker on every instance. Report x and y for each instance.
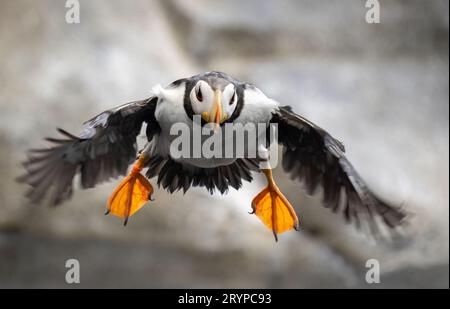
(216, 116)
(216, 112)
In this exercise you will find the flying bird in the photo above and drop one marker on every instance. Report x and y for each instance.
(107, 147)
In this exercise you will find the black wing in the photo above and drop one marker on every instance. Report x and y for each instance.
(103, 150)
(314, 157)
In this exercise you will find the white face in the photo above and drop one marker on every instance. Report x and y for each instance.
(214, 106)
(229, 100)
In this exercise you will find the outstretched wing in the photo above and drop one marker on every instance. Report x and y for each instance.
(103, 150)
(314, 157)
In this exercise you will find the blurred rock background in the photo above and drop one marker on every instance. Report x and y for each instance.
(381, 88)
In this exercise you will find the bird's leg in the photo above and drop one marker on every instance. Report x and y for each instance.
(273, 208)
(132, 193)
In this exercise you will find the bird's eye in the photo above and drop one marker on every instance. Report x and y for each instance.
(232, 98)
(199, 94)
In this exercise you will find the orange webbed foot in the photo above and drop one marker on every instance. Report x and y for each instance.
(131, 194)
(274, 210)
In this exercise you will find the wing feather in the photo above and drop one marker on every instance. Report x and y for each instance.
(104, 149)
(314, 157)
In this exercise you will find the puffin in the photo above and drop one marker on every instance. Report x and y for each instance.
(107, 146)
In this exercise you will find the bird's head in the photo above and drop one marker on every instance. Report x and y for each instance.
(214, 97)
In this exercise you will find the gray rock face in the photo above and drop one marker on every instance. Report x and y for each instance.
(382, 89)
(253, 28)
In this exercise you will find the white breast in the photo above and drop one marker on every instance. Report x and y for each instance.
(258, 108)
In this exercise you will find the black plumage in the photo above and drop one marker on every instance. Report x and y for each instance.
(314, 157)
(174, 176)
(104, 150)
